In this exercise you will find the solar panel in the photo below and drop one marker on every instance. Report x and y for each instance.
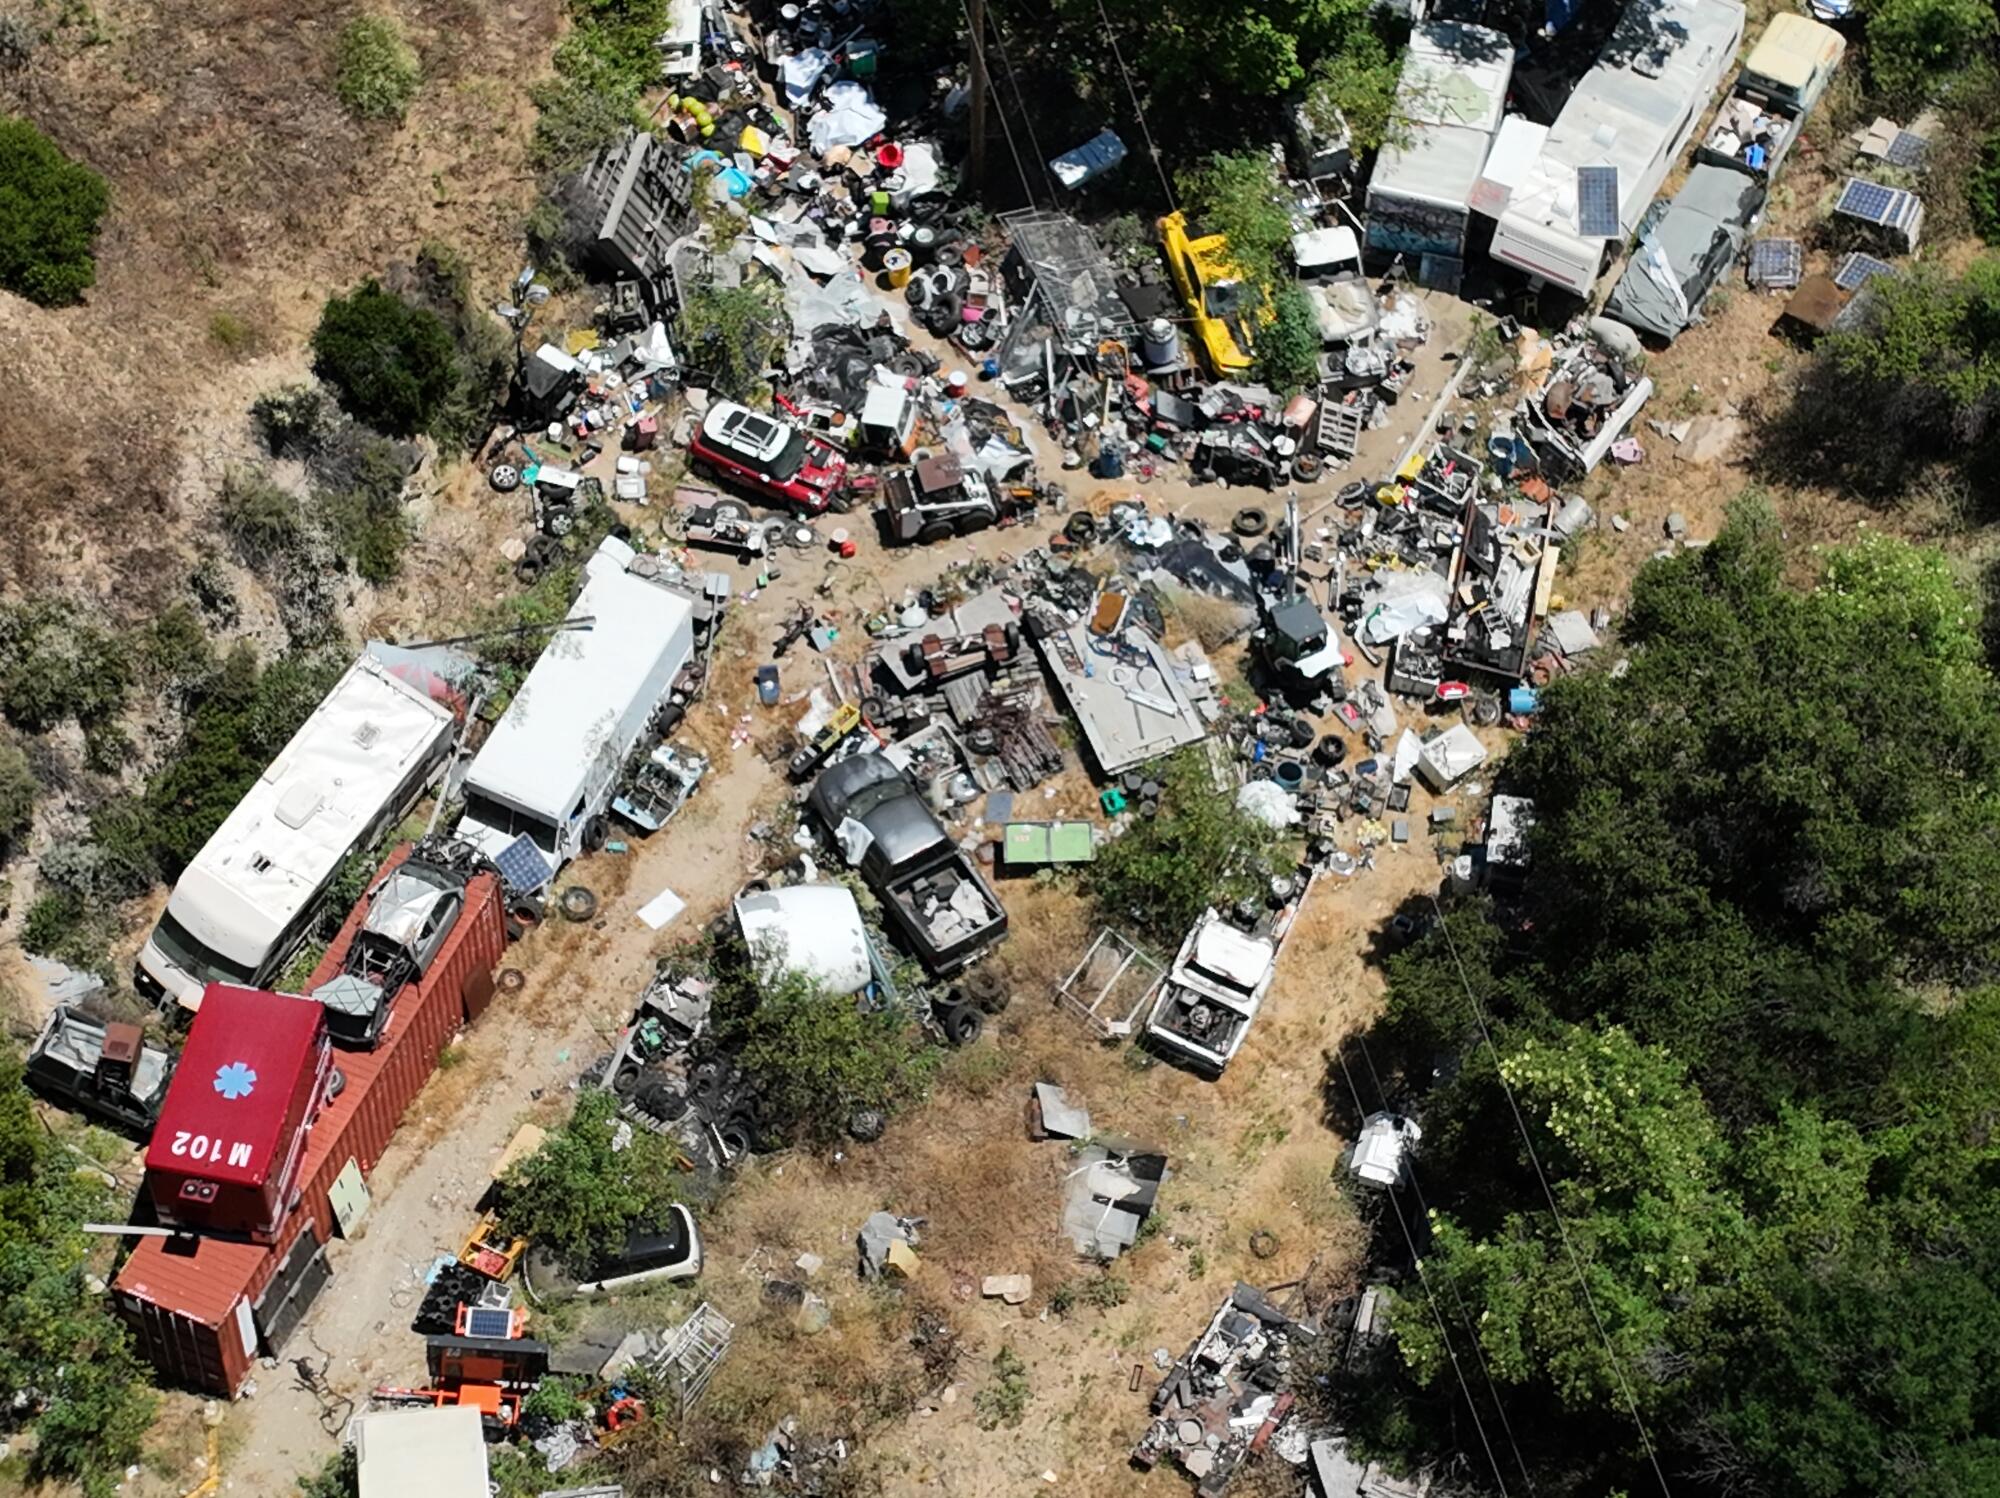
(1907, 150)
(1776, 262)
(1868, 201)
(489, 1321)
(522, 867)
(1597, 201)
(1857, 268)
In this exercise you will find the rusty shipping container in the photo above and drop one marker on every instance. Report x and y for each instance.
(201, 1318)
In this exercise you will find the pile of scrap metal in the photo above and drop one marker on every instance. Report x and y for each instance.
(1225, 1399)
(1591, 396)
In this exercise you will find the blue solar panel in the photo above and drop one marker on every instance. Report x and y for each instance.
(1869, 201)
(1857, 268)
(522, 867)
(1597, 201)
(1776, 262)
(489, 1321)
(1907, 150)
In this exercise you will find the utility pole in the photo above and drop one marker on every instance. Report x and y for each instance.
(975, 169)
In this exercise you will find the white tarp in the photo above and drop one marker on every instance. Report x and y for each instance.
(802, 71)
(851, 116)
(1269, 802)
(1405, 601)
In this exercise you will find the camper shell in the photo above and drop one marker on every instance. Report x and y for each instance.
(242, 907)
(554, 761)
(1685, 247)
(1782, 79)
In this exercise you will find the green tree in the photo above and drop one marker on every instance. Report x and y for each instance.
(1915, 47)
(375, 70)
(730, 333)
(1241, 196)
(57, 665)
(1355, 86)
(581, 1191)
(1188, 50)
(1288, 349)
(814, 1058)
(63, 1358)
(49, 211)
(392, 365)
(1199, 850)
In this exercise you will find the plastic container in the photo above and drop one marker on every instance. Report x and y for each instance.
(955, 384)
(896, 264)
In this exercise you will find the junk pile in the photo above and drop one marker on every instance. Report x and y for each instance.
(1225, 1399)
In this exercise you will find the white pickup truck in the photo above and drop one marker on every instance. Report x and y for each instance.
(1211, 995)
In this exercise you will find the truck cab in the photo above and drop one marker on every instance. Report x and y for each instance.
(104, 1069)
(932, 894)
(935, 499)
(410, 916)
(1212, 993)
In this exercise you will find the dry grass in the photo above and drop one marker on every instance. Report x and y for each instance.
(1214, 622)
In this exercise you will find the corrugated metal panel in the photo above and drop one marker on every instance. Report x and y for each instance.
(182, 1307)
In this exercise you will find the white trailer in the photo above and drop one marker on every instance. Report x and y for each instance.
(1633, 113)
(1217, 984)
(243, 906)
(1448, 106)
(554, 760)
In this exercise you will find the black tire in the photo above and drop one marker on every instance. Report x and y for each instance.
(528, 571)
(738, 1133)
(626, 1083)
(874, 709)
(528, 910)
(595, 831)
(918, 293)
(1081, 528)
(951, 255)
(511, 980)
(658, 1098)
(578, 903)
(734, 509)
(962, 1025)
(1330, 751)
(1302, 733)
(707, 1084)
(1264, 1243)
(866, 1125)
(1305, 467)
(1250, 521)
(933, 532)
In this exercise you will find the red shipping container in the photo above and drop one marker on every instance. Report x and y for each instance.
(226, 1152)
(199, 1318)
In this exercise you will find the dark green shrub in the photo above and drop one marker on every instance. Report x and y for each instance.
(49, 211)
(19, 790)
(263, 518)
(391, 364)
(56, 665)
(294, 420)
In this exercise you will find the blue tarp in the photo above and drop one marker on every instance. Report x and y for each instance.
(1090, 160)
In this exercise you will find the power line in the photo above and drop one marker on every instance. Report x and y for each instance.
(1451, 1281)
(1152, 150)
(979, 50)
(1027, 115)
(1424, 1279)
(1562, 1228)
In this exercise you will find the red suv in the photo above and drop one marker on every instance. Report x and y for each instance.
(776, 461)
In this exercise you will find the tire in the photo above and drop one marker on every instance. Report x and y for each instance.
(951, 256)
(734, 509)
(918, 293)
(962, 1025)
(978, 520)
(595, 831)
(528, 572)
(659, 1099)
(935, 531)
(1264, 1243)
(512, 980)
(1302, 733)
(1305, 467)
(738, 1133)
(561, 523)
(504, 477)
(1330, 751)
(1081, 528)
(578, 903)
(626, 1083)
(866, 1125)
(874, 709)
(1250, 521)
(527, 909)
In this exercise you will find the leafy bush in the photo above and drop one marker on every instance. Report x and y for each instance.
(1198, 851)
(1004, 1401)
(175, 651)
(264, 520)
(1356, 86)
(294, 420)
(233, 334)
(441, 283)
(1241, 196)
(375, 69)
(1288, 349)
(731, 334)
(611, 43)
(19, 790)
(56, 665)
(1982, 191)
(1915, 47)
(18, 40)
(339, 1477)
(576, 121)
(364, 515)
(392, 365)
(49, 211)
(578, 1194)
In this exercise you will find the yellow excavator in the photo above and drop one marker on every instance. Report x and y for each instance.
(1223, 304)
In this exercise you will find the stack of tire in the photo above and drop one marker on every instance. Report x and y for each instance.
(455, 1286)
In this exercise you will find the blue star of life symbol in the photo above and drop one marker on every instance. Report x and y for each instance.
(235, 1080)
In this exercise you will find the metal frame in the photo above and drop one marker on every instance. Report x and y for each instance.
(1087, 1007)
(687, 1360)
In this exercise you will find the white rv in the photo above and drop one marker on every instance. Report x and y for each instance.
(1633, 113)
(243, 906)
(553, 762)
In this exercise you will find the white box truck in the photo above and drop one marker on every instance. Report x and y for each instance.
(243, 906)
(554, 760)
(1633, 113)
